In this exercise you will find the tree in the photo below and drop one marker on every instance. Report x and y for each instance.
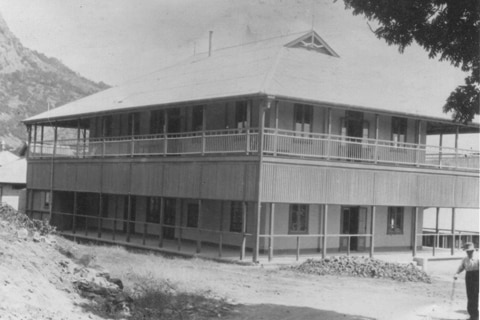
(448, 29)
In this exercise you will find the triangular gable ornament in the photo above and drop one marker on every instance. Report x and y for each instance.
(312, 41)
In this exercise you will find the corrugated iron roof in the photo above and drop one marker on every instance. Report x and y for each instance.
(14, 172)
(265, 67)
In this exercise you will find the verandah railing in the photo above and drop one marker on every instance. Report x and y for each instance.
(275, 142)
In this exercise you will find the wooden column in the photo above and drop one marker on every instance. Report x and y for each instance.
(272, 224)
(329, 131)
(35, 139)
(78, 139)
(275, 144)
(419, 141)
(129, 216)
(204, 128)
(99, 221)
(452, 251)
(74, 212)
(52, 170)
(325, 220)
(263, 106)
(244, 230)
(440, 151)
(435, 239)
(377, 130)
(180, 226)
(372, 231)
(41, 139)
(414, 232)
(220, 228)
(199, 226)
(456, 146)
(160, 231)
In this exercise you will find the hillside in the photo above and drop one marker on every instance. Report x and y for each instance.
(30, 83)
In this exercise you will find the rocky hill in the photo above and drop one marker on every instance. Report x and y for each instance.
(30, 83)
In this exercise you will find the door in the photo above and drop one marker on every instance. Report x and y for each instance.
(169, 218)
(354, 128)
(354, 221)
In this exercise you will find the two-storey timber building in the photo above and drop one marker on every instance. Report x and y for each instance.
(266, 148)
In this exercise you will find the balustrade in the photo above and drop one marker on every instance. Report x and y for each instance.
(276, 143)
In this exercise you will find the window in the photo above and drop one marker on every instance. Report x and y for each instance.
(192, 215)
(303, 115)
(298, 222)
(46, 200)
(197, 118)
(134, 124)
(241, 118)
(105, 205)
(399, 131)
(153, 210)
(157, 121)
(236, 216)
(395, 220)
(107, 126)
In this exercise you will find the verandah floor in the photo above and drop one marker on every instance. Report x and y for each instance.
(188, 248)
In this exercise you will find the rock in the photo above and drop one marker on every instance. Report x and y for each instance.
(36, 236)
(22, 234)
(117, 282)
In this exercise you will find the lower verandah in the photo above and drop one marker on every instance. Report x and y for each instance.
(226, 229)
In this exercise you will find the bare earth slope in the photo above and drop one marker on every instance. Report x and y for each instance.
(35, 285)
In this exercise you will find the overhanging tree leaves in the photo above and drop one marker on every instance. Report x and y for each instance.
(448, 29)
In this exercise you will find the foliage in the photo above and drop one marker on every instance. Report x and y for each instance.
(448, 29)
(161, 299)
(363, 267)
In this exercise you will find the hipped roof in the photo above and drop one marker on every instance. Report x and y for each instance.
(272, 67)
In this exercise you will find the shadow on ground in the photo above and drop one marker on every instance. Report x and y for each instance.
(279, 312)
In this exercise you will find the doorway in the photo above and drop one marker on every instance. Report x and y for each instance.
(353, 221)
(354, 131)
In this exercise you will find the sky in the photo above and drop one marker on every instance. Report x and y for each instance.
(118, 40)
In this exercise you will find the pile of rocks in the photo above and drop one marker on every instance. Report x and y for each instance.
(105, 294)
(363, 267)
(25, 227)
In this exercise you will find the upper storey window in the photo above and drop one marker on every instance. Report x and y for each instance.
(399, 131)
(241, 114)
(303, 118)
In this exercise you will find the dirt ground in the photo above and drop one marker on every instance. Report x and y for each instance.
(32, 286)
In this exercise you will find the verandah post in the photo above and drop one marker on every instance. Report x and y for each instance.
(272, 223)
(414, 232)
(160, 231)
(199, 225)
(452, 251)
(372, 231)
(325, 220)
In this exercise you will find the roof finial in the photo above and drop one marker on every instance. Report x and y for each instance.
(313, 14)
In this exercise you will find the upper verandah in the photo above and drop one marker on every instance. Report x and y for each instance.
(279, 67)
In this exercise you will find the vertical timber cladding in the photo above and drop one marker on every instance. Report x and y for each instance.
(314, 184)
(195, 179)
(39, 178)
(396, 189)
(467, 192)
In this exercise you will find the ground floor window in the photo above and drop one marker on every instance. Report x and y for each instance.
(153, 209)
(395, 220)
(236, 216)
(298, 221)
(192, 215)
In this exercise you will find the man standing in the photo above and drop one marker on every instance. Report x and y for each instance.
(470, 265)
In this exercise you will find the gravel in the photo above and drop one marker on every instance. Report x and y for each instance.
(363, 267)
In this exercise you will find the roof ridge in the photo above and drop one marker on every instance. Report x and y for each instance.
(257, 41)
(269, 75)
